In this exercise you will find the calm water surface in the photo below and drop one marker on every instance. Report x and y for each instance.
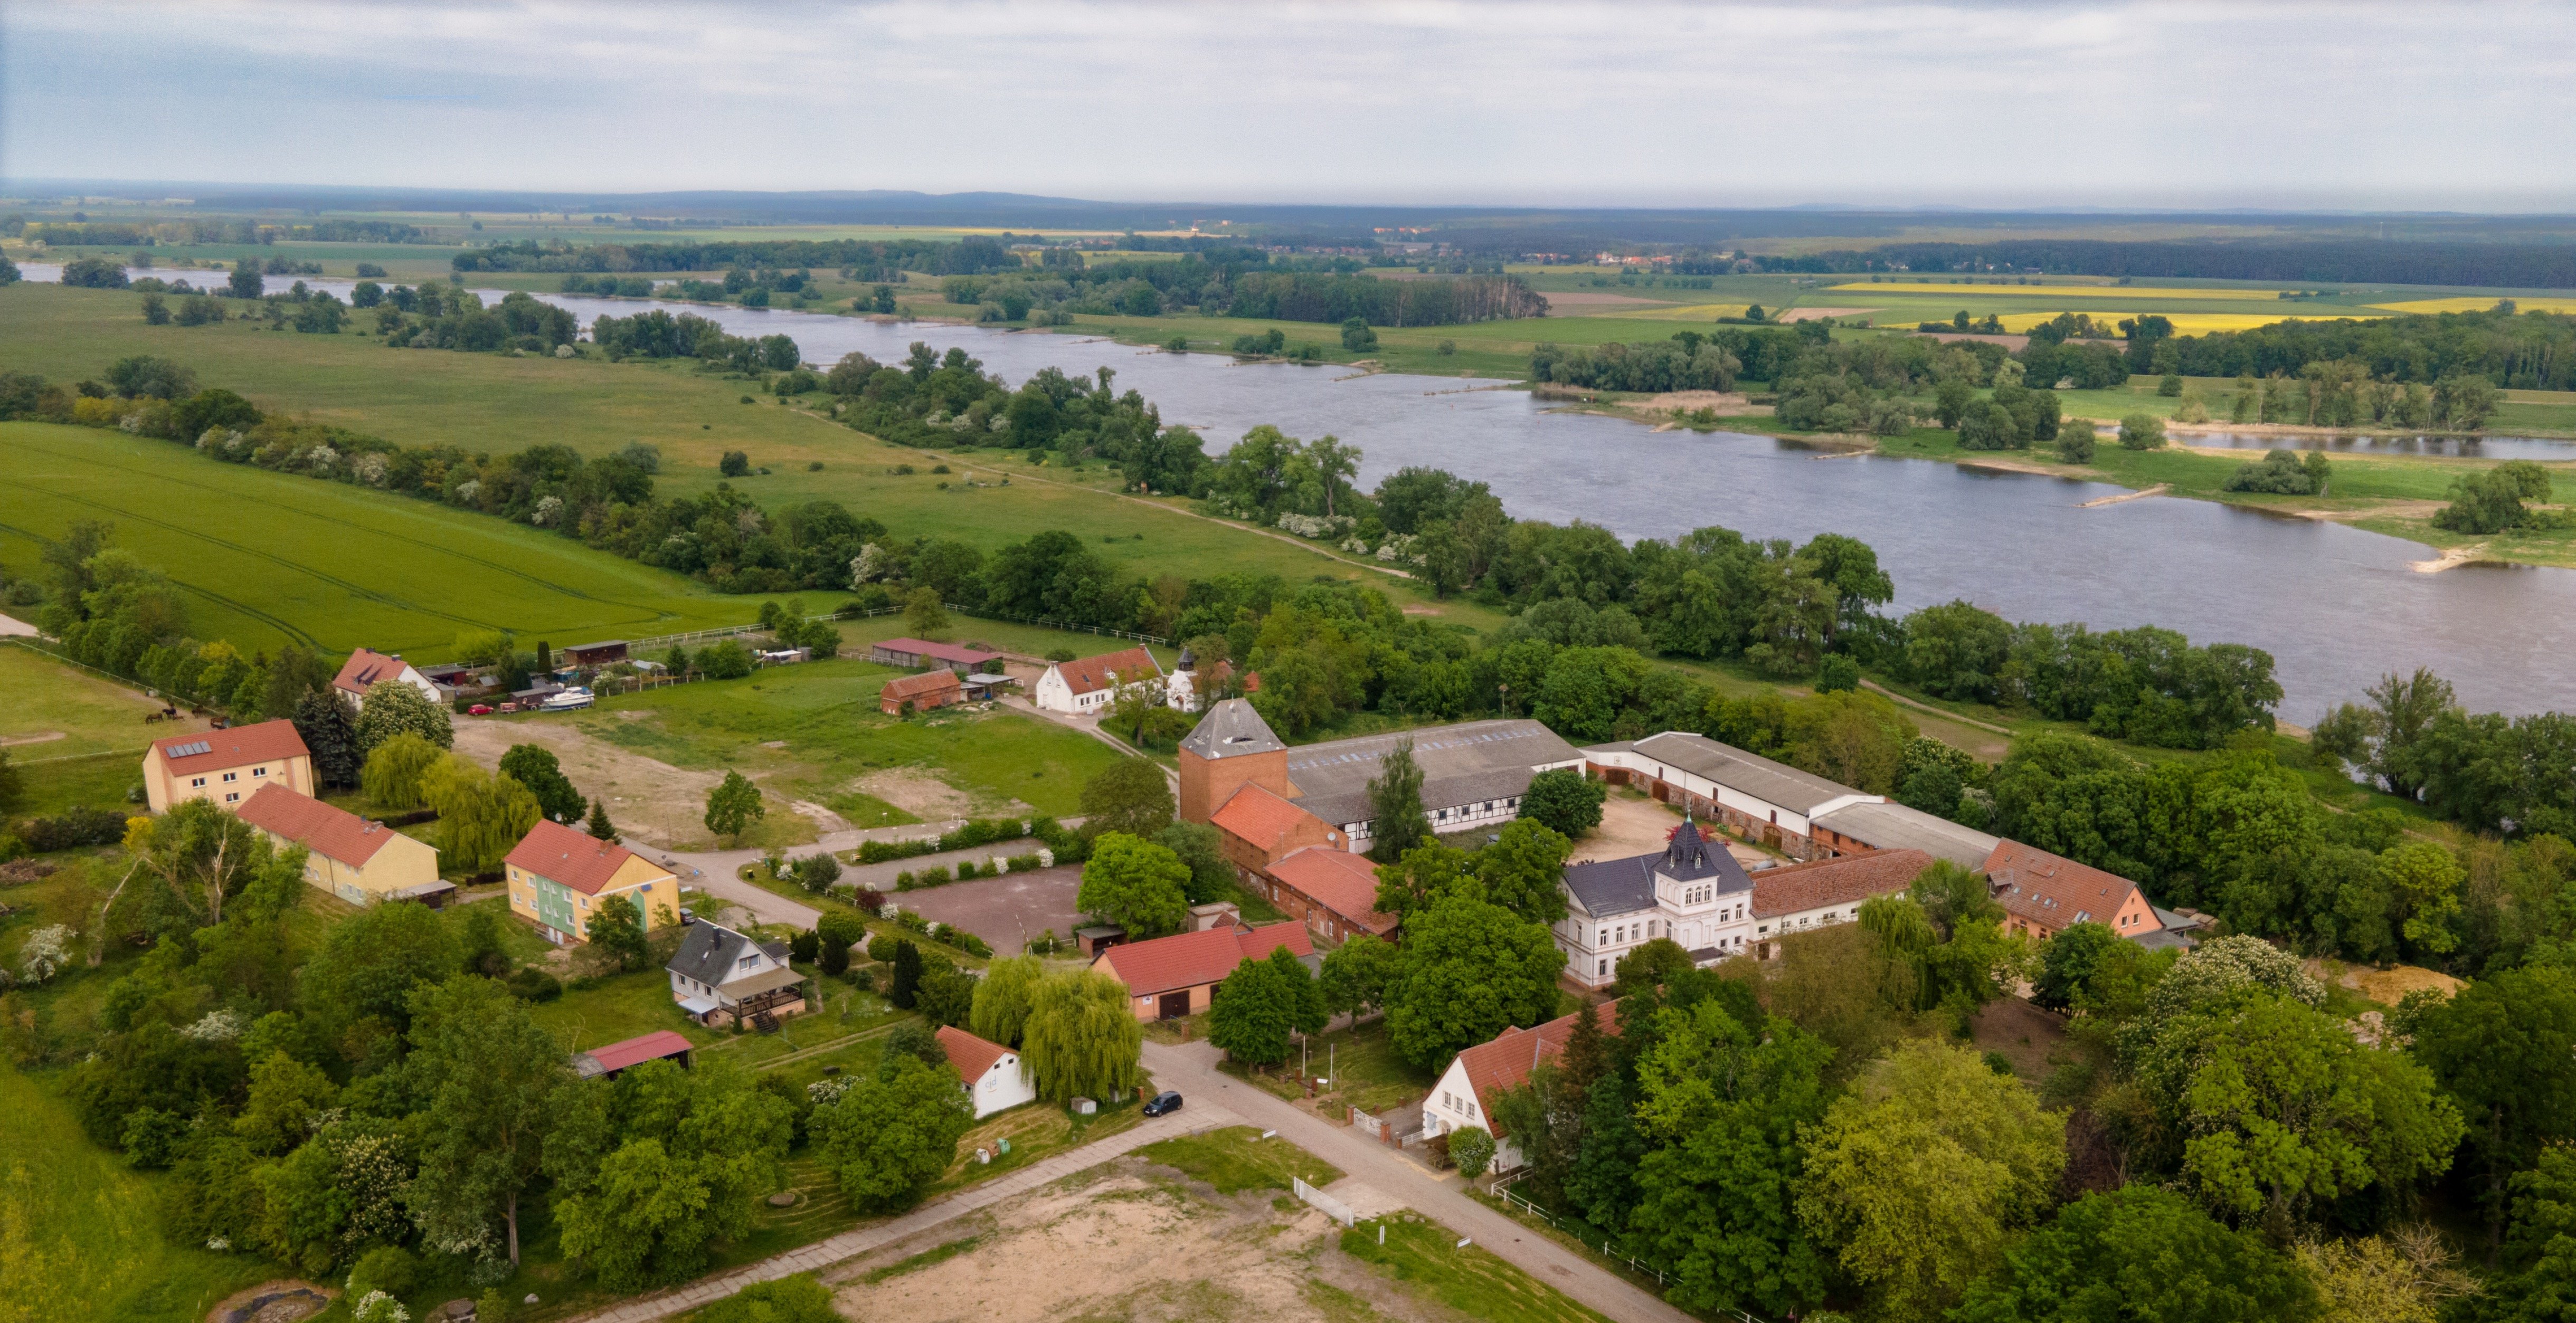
(2336, 607)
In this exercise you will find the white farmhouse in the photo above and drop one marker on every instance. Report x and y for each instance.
(1090, 686)
(996, 1078)
(367, 668)
(1464, 1097)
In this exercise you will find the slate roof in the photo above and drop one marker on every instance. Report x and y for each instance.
(1797, 888)
(364, 669)
(1896, 827)
(1461, 764)
(1259, 816)
(1088, 675)
(971, 1056)
(570, 857)
(2052, 891)
(1611, 887)
(332, 833)
(1507, 1059)
(1340, 881)
(260, 742)
(1187, 960)
(1231, 729)
(1749, 773)
(712, 952)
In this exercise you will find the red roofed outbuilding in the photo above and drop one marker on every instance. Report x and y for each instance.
(626, 1054)
(921, 693)
(996, 1079)
(1332, 890)
(2043, 894)
(1169, 977)
(1257, 826)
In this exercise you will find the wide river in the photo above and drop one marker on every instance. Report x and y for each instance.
(2336, 607)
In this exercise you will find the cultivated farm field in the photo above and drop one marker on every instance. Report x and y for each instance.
(268, 559)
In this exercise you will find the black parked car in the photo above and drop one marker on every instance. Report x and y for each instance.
(1163, 1103)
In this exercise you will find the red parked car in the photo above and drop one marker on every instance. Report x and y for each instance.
(479, 710)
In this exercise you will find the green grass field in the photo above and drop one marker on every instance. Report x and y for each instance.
(78, 1231)
(499, 404)
(50, 710)
(1471, 1280)
(815, 727)
(1237, 1158)
(267, 559)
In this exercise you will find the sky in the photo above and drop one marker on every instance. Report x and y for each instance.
(2402, 106)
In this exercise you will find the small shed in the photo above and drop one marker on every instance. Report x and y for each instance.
(596, 654)
(659, 1045)
(915, 654)
(984, 685)
(920, 693)
(1097, 938)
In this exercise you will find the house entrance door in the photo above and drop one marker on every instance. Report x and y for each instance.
(1174, 1005)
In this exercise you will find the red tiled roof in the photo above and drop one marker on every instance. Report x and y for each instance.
(636, 1051)
(2052, 891)
(363, 669)
(971, 1056)
(1801, 887)
(1187, 960)
(575, 859)
(1259, 815)
(941, 681)
(947, 652)
(263, 742)
(1340, 881)
(329, 832)
(1092, 674)
(1508, 1059)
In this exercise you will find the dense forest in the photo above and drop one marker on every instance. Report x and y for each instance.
(2359, 261)
(974, 253)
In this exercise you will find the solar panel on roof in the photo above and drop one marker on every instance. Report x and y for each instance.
(190, 749)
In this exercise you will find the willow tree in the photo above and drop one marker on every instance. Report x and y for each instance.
(1081, 1039)
(481, 815)
(1001, 1007)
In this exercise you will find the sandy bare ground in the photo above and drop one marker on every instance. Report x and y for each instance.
(1128, 1241)
(2024, 1033)
(1819, 314)
(918, 793)
(650, 800)
(1724, 403)
(1633, 824)
(2158, 490)
(2385, 986)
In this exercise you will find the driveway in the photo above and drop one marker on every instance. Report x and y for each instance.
(1191, 1068)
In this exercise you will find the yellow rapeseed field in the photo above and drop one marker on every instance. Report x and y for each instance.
(2184, 323)
(1897, 287)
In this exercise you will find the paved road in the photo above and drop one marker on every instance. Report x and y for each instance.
(851, 1244)
(1191, 1068)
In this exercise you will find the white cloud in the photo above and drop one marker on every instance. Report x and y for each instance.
(2166, 104)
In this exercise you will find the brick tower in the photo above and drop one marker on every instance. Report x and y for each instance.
(1232, 747)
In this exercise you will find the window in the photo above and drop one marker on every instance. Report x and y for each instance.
(198, 782)
(233, 797)
(585, 902)
(259, 771)
(232, 776)
(1605, 965)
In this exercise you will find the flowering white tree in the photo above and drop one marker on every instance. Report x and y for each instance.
(46, 951)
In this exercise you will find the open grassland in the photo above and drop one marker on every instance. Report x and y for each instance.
(78, 1235)
(814, 730)
(267, 559)
(51, 709)
(498, 404)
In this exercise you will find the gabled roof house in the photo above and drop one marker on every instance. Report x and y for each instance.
(1091, 684)
(720, 976)
(996, 1079)
(1169, 977)
(359, 860)
(226, 766)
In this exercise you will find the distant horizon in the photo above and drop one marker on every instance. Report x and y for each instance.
(2119, 106)
(146, 192)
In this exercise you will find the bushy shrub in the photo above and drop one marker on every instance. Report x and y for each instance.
(73, 828)
(534, 984)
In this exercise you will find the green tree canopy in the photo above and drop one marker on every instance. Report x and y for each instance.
(482, 815)
(392, 706)
(1566, 800)
(2525, 1017)
(2139, 1254)
(1470, 970)
(655, 1169)
(1920, 1176)
(1136, 884)
(371, 962)
(888, 1138)
(1081, 1039)
(1132, 795)
(534, 766)
(484, 1074)
(616, 927)
(734, 805)
(1396, 820)
(1524, 870)
(1000, 1011)
(394, 771)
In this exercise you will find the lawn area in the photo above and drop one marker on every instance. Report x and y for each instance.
(98, 779)
(51, 709)
(267, 559)
(1238, 1158)
(78, 1233)
(616, 1008)
(1470, 1280)
(816, 727)
(1371, 1076)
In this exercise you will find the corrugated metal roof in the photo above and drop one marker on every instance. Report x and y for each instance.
(1896, 827)
(1751, 773)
